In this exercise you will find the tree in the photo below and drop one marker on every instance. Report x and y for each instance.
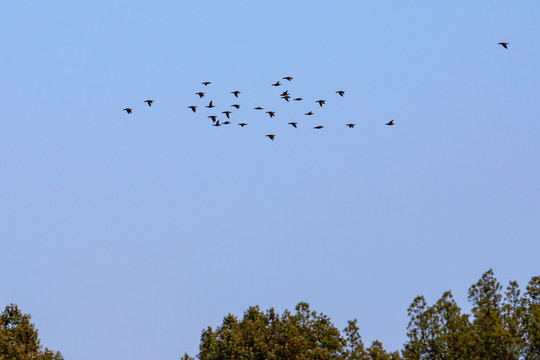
(19, 338)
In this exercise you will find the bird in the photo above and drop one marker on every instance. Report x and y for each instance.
(201, 94)
(293, 124)
(236, 106)
(226, 123)
(350, 125)
(226, 114)
(206, 83)
(193, 108)
(149, 102)
(298, 99)
(258, 108)
(209, 106)
(318, 127)
(213, 117)
(271, 136)
(503, 44)
(271, 113)
(287, 78)
(235, 93)
(309, 113)
(286, 97)
(321, 102)
(217, 123)
(340, 92)
(285, 93)
(390, 123)
(242, 124)
(276, 84)
(128, 110)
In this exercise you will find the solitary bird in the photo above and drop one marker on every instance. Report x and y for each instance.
(293, 124)
(350, 125)
(271, 136)
(285, 93)
(206, 83)
(236, 106)
(340, 92)
(318, 127)
(390, 123)
(276, 84)
(235, 93)
(201, 94)
(128, 110)
(210, 105)
(287, 78)
(213, 117)
(271, 113)
(286, 97)
(504, 45)
(226, 123)
(193, 108)
(149, 102)
(309, 113)
(226, 114)
(242, 124)
(217, 123)
(298, 99)
(321, 102)
(258, 108)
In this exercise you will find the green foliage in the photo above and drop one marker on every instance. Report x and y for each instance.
(19, 338)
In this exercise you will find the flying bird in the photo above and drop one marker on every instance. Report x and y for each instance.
(285, 93)
(309, 113)
(235, 93)
(293, 124)
(193, 108)
(149, 102)
(226, 123)
(276, 84)
(213, 117)
(287, 78)
(340, 92)
(504, 45)
(217, 123)
(236, 106)
(350, 125)
(258, 108)
(201, 94)
(286, 97)
(318, 127)
(209, 106)
(226, 114)
(206, 83)
(390, 123)
(242, 124)
(298, 99)
(271, 113)
(128, 110)
(271, 136)
(321, 102)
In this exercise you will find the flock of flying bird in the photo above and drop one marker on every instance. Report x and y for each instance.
(284, 95)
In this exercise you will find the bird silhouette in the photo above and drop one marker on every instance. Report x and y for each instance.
(285, 93)
(271, 113)
(235, 93)
(201, 94)
(217, 123)
(340, 92)
(298, 99)
(318, 127)
(321, 102)
(276, 84)
(193, 108)
(293, 124)
(226, 123)
(350, 125)
(236, 106)
(258, 108)
(128, 110)
(209, 106)
(287, 78)
(271, 136)
(149, 102)
(226, 114)
(286, 97)
(390, 123)
(213, 117)
(242, 124)
(309, 113)
(503, 44)
(206, 83)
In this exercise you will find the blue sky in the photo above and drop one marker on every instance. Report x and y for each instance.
(126, 235)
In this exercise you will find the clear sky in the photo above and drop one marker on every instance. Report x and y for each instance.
(126, 235)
